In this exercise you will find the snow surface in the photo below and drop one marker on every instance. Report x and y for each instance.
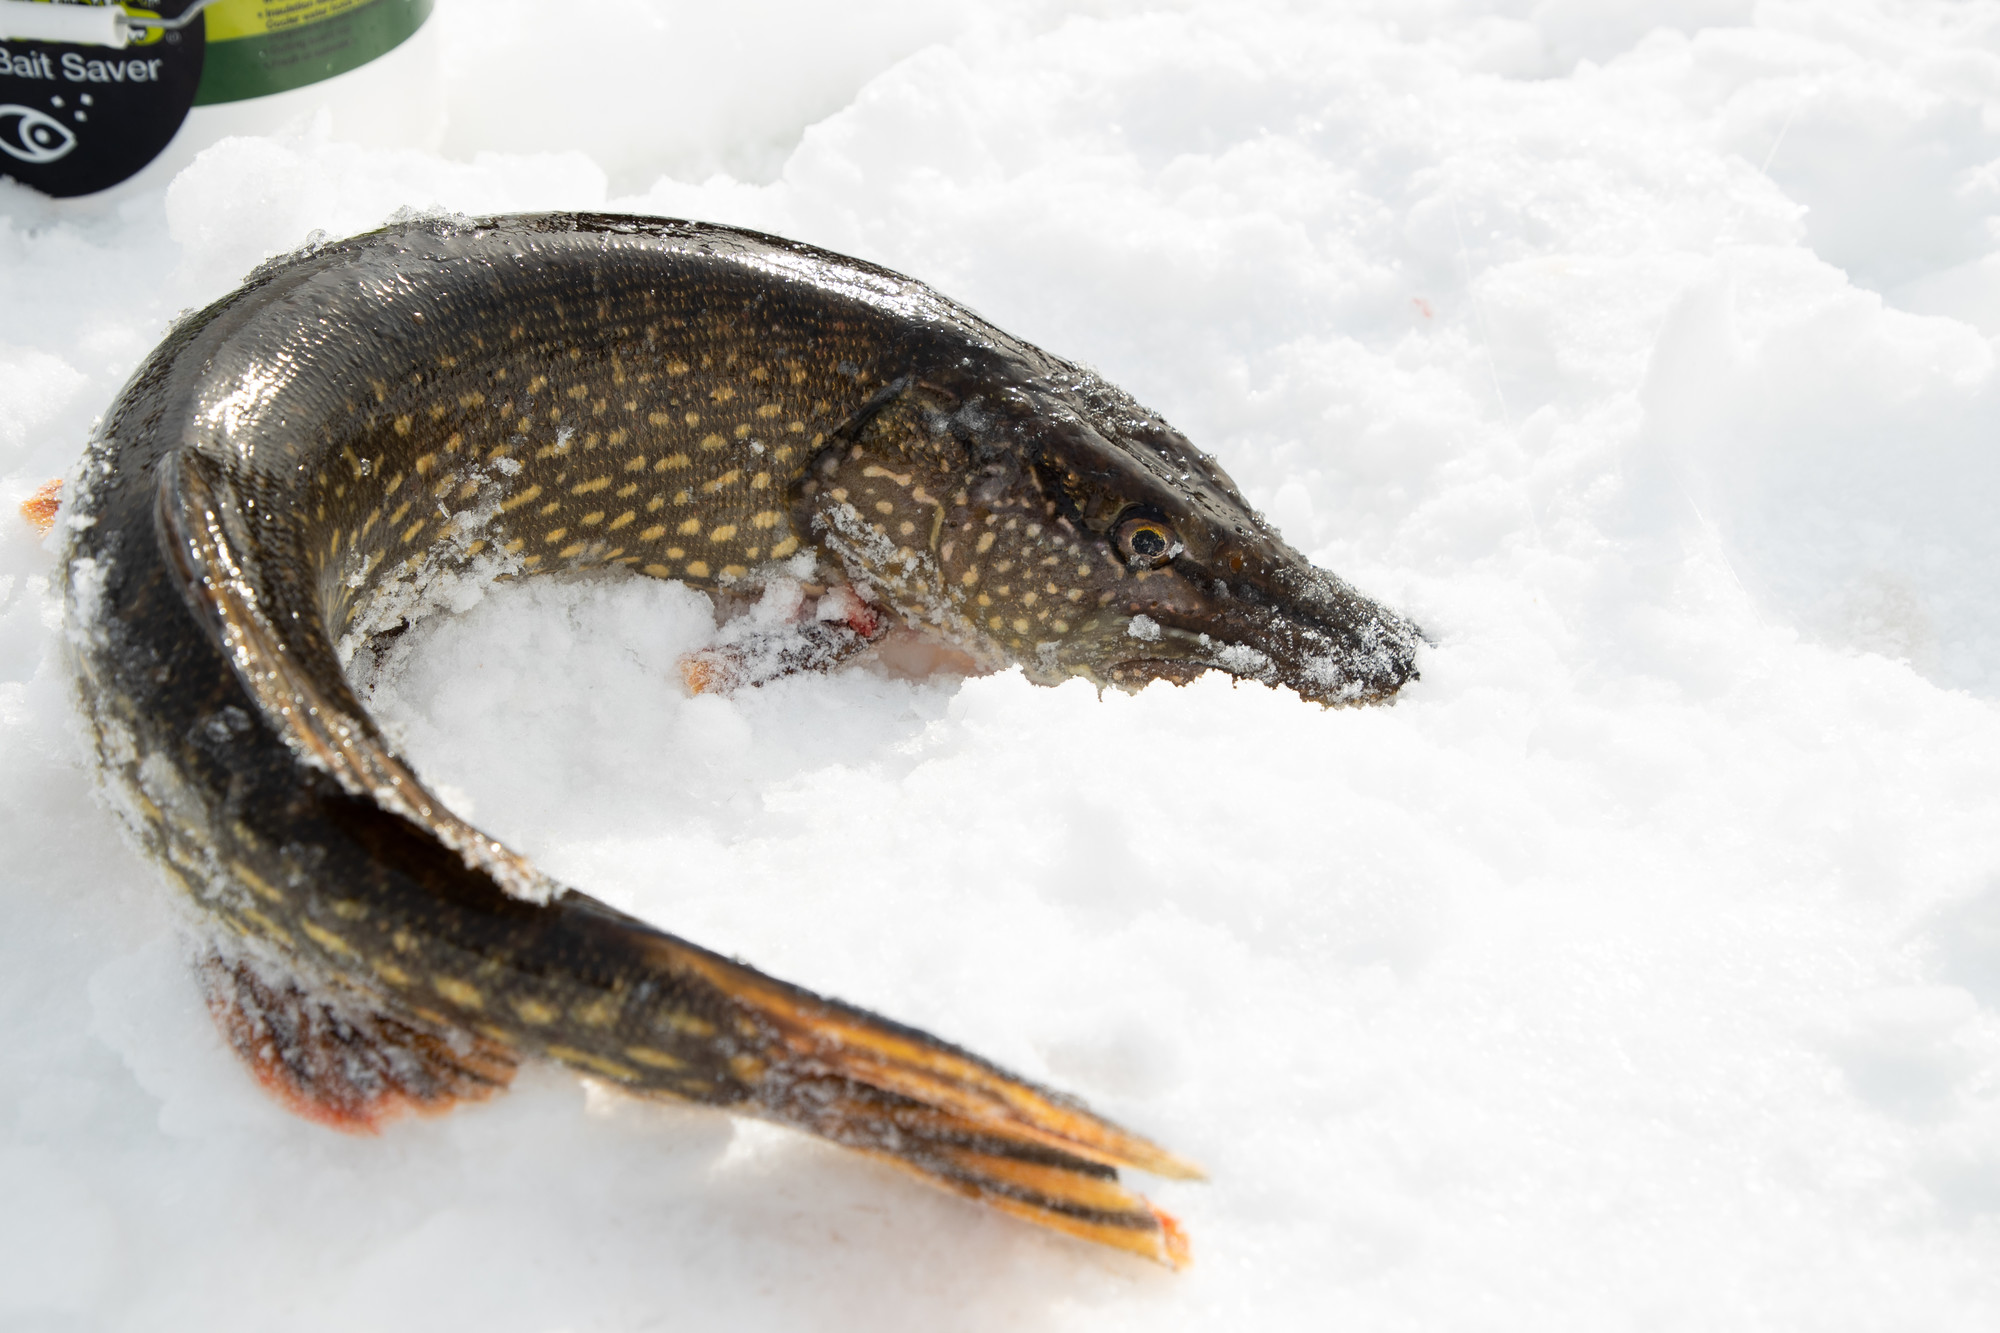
(1639, 969)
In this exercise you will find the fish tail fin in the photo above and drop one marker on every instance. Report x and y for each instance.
(958, 1121)
(1016, 1173)
(340, 1064)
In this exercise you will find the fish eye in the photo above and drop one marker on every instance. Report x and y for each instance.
(1146, 543)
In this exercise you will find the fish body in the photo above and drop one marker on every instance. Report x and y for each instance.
(296, 464)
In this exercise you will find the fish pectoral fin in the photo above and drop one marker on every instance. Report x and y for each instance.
(900, 1094)
(765, 655)
(337, 1061)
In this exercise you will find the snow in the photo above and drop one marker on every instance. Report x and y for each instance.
(1639, 968)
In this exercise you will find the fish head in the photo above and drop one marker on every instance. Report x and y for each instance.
(1063, 528)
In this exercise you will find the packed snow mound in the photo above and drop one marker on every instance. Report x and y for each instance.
(1639, 967)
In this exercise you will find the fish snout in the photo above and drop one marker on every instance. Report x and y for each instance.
(1302, 628)
(1331, 643)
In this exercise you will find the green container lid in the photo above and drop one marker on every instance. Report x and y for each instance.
(260, 47)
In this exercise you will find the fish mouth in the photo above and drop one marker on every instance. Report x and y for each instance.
(1365, 666)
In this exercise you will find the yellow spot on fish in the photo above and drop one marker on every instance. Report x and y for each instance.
(690, 527)
(970, 576)
(771, 410)
(767, 519)
(677, 367)
(660, 418)
(514, 545)
(622, 520)
(697, 569)
(646, 1055)
(471, 400)
(555, 535)
(410, 533)
(1021, 625)
(654, 533)
(403, 424)
(573, 549)
(985, 542)
(742, 432)
(325, 938)
(671, 462)
(629, 488)
(733, 571)
(461, 993)
(570, 1055)
(258, 884)
(593, 518)
(653, 505)
(586, 487)
(637, 463)
(722, 393)
(516, 501)
(723, 533)
(390, 973)
(691, 1025)
(784, 548)
(265, 924)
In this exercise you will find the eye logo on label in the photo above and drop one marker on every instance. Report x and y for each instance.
(33, 136)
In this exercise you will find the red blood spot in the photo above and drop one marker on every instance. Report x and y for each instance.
(862, 618)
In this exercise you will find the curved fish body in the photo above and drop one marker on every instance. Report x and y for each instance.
(293, 467)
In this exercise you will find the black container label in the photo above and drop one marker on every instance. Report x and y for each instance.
(77, 119)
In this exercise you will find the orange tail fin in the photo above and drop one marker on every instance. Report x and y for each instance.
(952, 1118)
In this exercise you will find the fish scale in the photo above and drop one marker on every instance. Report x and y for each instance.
(292, 468)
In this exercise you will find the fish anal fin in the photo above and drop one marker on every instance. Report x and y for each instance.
(336, 1061)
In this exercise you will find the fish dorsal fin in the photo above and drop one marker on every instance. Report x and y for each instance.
(206, 533)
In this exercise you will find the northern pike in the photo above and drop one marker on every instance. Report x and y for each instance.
(291, 468)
